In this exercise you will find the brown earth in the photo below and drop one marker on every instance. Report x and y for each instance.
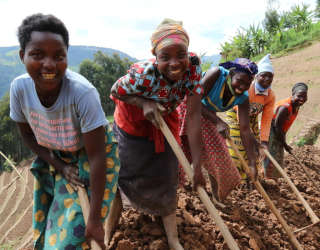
(247, 216)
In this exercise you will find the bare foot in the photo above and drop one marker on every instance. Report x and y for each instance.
(170, 226)
(174, 244)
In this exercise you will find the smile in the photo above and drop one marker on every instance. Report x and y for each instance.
(48, 76)
(174, 72)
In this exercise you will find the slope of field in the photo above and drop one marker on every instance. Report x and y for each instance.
(300, 66)
(247, 216)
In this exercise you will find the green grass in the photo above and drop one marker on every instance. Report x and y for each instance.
(110, 118)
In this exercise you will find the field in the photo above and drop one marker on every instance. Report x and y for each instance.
(247, 216)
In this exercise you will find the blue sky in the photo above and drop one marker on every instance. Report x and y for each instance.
(127, 25)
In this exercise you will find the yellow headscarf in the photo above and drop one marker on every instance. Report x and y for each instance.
(168, 32)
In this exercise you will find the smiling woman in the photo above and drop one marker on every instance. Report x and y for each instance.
(149, 168)
(59, 115)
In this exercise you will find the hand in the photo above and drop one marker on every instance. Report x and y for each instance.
(71, 174)
(254, 172)
(223, 129)
(150, 110)
(263, 145)
(94, 231)
(288, 148)
(198, 179)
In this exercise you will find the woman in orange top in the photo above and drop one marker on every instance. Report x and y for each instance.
(261, 99)
(285, 113)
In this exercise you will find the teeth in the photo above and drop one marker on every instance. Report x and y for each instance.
(48, 76)
(175, 71)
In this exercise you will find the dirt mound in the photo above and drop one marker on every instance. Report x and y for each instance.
(248, 218)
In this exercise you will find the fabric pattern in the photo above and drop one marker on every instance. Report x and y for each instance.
(214, 99)
(169, 32)
(215, 155)
(144, 79)
(234, 125)
(57, 216)
(241, 65)
(261, 104)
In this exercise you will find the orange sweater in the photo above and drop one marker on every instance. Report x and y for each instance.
(264, 104)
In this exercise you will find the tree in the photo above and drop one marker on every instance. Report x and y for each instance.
(102, 72)
(271, 21)
(317, 10)
(10, 140)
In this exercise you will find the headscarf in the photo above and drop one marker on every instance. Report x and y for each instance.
(241, 65)
(264, 65)
(168, 32)
(300, 86)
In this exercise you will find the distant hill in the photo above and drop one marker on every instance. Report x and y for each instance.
(11, 66)
(214, 59)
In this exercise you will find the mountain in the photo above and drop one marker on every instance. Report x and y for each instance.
(11, 66)
(214, 59)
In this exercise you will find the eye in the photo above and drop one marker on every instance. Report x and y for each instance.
(164, 57)
(182, 55)
(60, 57)
(36, 55)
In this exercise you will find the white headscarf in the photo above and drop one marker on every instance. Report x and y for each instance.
(264, 65)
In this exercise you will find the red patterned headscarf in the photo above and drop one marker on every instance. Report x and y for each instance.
(167, 33)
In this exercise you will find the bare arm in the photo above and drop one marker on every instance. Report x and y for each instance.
(194, 136)
(247, 137)
(210, 79)
(94, 143)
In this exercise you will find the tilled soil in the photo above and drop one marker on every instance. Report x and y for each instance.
(247, 216)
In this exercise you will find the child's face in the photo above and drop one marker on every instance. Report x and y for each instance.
(240, 82)
(173, 61)
(300, 98)
(265, 79)
(45, 59)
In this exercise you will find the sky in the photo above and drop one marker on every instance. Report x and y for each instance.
(127, 25)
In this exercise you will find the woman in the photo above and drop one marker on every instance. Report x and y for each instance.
(261, 100)
(59, 115)
(149, 168)
(223, 89)
(285, 114)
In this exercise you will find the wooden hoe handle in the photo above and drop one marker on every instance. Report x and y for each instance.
(314, 218)
(84, 203)
(202, 193)
(265, 196)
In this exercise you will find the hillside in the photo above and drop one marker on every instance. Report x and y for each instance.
(11, 66)
(247, 216)
(300, 66)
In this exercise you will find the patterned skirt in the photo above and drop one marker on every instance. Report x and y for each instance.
(276, 149)
(215, 155)
(58, 221)
(234, 125)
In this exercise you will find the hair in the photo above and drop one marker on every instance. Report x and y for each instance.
(42, 23)
(300, 86)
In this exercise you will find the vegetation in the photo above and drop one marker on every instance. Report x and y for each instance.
(102, 72)
(10, 140)
(279, 32)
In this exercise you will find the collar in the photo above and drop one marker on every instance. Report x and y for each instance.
(257, 92)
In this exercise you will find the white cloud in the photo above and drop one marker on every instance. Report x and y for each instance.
(127, 25)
